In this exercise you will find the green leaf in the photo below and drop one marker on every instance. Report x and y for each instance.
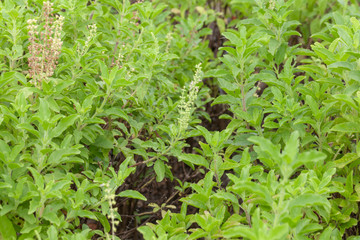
(291, 33)
(349, 186)
(44, 110)
(63, 125)
(310, 227)
(271, 150)
(260, 190)
(353, 238)
(292, 146)
(324, 53)
(221, 24)
(52, 218)
(331, 81)
(234, 39)
(34, 204)
(39, 179)
(347, 99)
(279, 232)
(205, 133)
(104, 221)
(5, 185)
(310, 199)
(355, 75)
(104, 72)
(147, 233)
(58, 156)
(239, 231)
(225, 99)
(117, 112)
(159, 168)
(104, 141)
(86, 214)
(194, 159)
(313, 106)
(346, 159)
(28, 127)
(325, 235)
(87, 103)
(347, 127)
(7, 231)
(227, 86)
(6, 78)
(132, 194)
(311, 156)
(216, 73)
(196, 200)
(52, 232)
(20, 102)
(280, 53)
(343, 65)
(226, 196)
(114, 72)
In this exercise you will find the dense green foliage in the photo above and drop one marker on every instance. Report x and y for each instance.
(93, 92)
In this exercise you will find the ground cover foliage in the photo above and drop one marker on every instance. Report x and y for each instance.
(233, 119)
